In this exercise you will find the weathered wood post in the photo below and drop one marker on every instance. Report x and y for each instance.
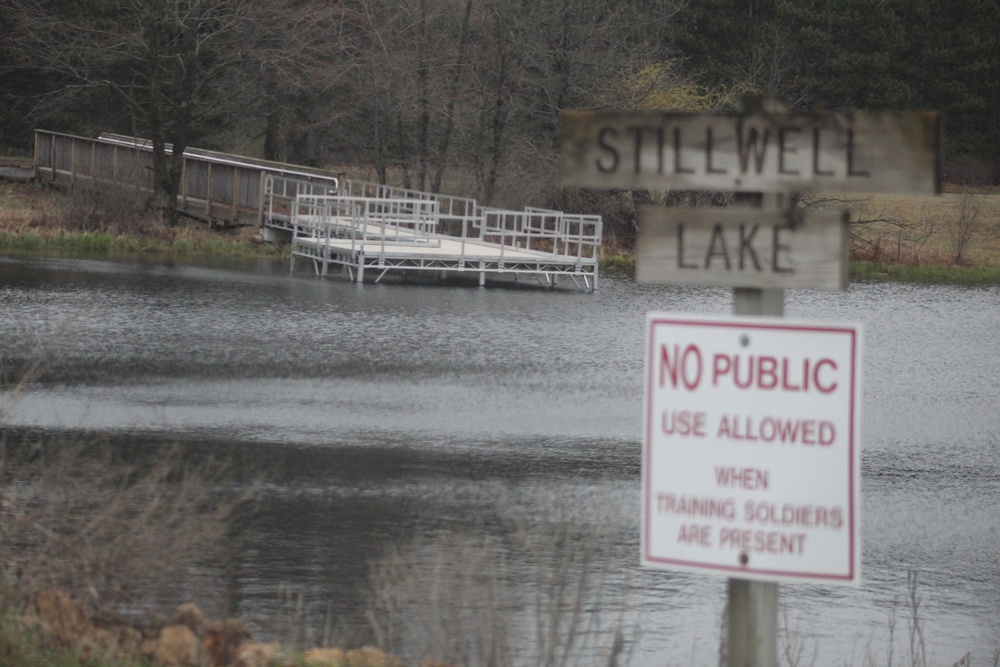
(752, 606)
(35, 157)
(752, 623)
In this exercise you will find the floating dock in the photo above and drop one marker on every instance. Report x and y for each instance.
(363, 234)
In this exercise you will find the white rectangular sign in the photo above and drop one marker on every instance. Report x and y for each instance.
(751, 450)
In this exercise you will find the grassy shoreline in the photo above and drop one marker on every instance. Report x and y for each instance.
(621, 261)
(195, 244)
(40, 218)
(36, 218)
(944, 275)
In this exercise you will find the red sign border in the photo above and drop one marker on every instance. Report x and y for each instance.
(854, 331)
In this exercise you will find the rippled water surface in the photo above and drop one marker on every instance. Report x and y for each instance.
(392, 412)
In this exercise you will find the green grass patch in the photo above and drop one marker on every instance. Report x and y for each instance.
(953, 275)
(22, 241)
(617, 262)
(945, 275)
(120, 244)
(19, 649)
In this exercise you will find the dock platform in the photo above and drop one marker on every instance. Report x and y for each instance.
(401, 231)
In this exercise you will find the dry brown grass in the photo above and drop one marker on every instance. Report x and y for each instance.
(960, 227)
(105, 524)
(40, 209)
(542, 590)
(43, 209)
(28, 207)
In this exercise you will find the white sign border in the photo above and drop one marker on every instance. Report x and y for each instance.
(853, 519)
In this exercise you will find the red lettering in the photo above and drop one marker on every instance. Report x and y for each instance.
(767, 373)
(721, 365)
(774, 429)
(827, 433)
(742, 478)
(788, 515)
(785, 374)
(762, 541)
(787, 430)
(681, 365)
(824, 388)
(808, 432)
(696, 534)
(683, 422)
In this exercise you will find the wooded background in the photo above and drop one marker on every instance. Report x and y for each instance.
(463, 96)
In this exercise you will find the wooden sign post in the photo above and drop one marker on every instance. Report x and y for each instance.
(752, 606)
(759, 251)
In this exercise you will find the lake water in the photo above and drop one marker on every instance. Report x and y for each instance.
(397, 416)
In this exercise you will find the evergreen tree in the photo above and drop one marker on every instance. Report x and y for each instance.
(848, 52)
(718, 38)
(953, 64)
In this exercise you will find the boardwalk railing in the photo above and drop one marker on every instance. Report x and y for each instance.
(359, 233)
(76, 160)
(281, 193)
(215, 186)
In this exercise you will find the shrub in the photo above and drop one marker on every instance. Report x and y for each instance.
(106, 522)
(532, 593)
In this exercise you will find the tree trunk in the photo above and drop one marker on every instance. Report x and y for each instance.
(166, 203)
(274, 137)
(441, 159)
(424, 118)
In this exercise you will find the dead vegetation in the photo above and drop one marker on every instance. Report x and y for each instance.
(538, 593)
(42, 206)
(60, 626)
(960, 227)
(107, 523)
(46, 211)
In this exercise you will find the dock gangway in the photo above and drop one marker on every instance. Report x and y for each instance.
(355, 225)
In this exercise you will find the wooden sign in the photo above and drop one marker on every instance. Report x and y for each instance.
(742, 247)
(884, 151)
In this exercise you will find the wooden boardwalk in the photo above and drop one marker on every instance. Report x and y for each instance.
(361, 228)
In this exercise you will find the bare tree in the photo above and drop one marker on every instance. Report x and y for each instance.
(498, 73)
(414, 62)
(532, 60)
(966, 213)
(470, 90)
(305, 77)
(164, 58)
